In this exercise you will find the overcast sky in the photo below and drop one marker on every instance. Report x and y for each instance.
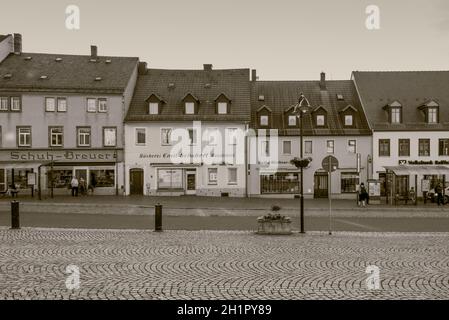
(282, 39)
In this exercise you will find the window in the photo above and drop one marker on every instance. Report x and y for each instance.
(222, 108)
(330, 146)
(384, 147)
(287, 147)
(265, 147)
(292, 120)
(61, 179)
(190, 108)
(50, 104)
(56, 136)
(169, 178)
(102, 105)
(395, 115)
(109, 137)
(432, 115)
(91, 105)
(15, 104)
(352, 146)
(84, 137)
(404, 147)
(192, 136)
(62, 104)
(141, 136)
(154, 108)
(349, 182)
(102, 178)
(308, 147)
(424, 147)
(320, 120)
(264, 120)
(212, 175)
(232, 175)
(348, 120)
(4, 103)
(165, 136)
(231, 135)
(280, 182)
(443, 146)
(24, 136)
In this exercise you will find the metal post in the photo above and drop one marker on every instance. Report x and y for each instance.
(416, 189)
(51, 179)
(302, 174)
(158, 217)
(39, 182)
(330, 196)
(15, 219)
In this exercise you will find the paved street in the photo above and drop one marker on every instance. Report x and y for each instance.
(221, 265)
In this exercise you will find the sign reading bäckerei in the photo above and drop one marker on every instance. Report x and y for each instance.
(61, 155)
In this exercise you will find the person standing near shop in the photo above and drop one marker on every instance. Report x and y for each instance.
(363, 195)
(439, 192)
(74, 185)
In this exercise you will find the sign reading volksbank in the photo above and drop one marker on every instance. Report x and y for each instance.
(61, 155)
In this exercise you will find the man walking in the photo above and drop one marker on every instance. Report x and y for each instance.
(439, 192)
(74, 185)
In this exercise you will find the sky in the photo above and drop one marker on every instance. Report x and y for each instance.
(282, 39)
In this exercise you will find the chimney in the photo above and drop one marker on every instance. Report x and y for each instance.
(142, 69)
(93, 52)
(207, 67)
(253, 75)
(323, 81)
(17, 43)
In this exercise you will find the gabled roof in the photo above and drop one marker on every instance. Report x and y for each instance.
(72, 73)
(222, 95)
(234, 83)
(412, 88)
(318, 108)
(190, 95)
(281, 96)
(348, 107)
(156, 96)
(264, 107)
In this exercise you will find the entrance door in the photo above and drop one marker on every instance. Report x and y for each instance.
(321, 185)
(136, 181)
(191, 182)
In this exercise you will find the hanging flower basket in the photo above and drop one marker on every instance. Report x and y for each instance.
(274, 223)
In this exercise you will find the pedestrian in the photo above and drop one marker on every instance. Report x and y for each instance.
(439, 192)
(82, 186)
(74, 184)
(412, 194)
(363, 195)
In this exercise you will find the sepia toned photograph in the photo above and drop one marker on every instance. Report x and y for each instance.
(227, 155)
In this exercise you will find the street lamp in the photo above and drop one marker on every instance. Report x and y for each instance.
(300, 110)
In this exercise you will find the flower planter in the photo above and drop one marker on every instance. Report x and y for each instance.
(274, 227)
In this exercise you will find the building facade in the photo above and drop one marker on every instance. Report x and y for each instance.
(206, 106)
(62, 116)
(334, 125)
(409, 116)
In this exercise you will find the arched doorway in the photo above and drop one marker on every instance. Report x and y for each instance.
(136, 181)
(320, 189)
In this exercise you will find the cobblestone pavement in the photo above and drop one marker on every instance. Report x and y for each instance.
(221, 265)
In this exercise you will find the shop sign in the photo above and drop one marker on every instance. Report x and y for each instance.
(61, 156)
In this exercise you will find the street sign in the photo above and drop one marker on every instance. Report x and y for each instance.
(329, 163)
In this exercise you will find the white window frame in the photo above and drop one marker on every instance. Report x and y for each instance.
(25, 135)
(81, 136)
(189, 108)
(57, 134)
(220, 106)
(102, 108)
(349, 120)
(144, 130)
(47, 100)
(164, 143)
(114, 130)
(432, 115)
(328, 142)
(153, 108)
(290, 122)
(4, 103)
(209, 172)
(90, 108)
(14, 106)
(262, 120)
(311, 146)
(58, 105)
(352, 146)
(320, 123)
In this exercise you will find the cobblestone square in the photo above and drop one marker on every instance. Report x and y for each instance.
(132, 264)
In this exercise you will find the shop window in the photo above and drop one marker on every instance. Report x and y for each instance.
(232, 175)
(281, 182)
(349, 182)
(424, 147)
(212, 175)
(21, 178)
(169, 178)
(61, 179)
(443, 147)
(102, 178)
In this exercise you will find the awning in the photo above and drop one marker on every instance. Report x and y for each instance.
(419, 170)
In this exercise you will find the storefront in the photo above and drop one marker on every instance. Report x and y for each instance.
(51, 171)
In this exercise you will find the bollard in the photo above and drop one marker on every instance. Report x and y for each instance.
(158, 217)
(15, 219)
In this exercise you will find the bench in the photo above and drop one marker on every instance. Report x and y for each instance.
(405, 199)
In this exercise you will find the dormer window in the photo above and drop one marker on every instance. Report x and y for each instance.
(292, 120)
(190, 108)
(320, 116)
(432, 115)
(222, 104)
(320, 120)
(222, 108)
(349, 120)
(395, 115)
(153, 108)
(264, 121)
(264, 116)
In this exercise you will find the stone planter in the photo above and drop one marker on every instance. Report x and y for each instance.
(274, 227)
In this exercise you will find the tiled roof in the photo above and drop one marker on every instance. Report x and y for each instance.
(71, 73)
(280, 95)
(205, 85)
(411, 89)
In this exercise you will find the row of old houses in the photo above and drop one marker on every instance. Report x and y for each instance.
(113, 122)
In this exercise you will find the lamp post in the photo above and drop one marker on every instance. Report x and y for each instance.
(301, 109)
